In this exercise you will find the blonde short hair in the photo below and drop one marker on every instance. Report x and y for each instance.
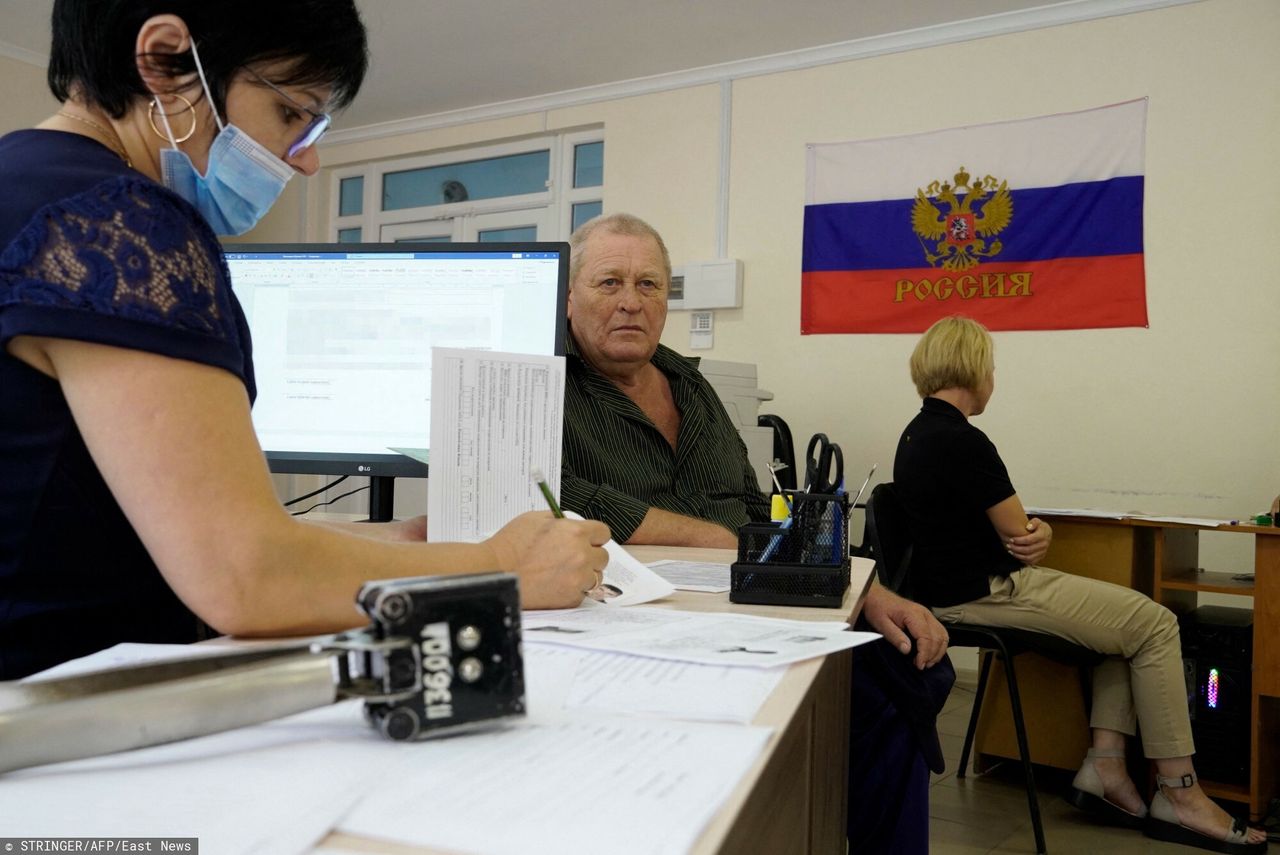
(955, 352)
(618, 224)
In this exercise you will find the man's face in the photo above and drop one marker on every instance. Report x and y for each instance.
(618, 301)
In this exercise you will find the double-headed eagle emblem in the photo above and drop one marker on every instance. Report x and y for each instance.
(963, 233)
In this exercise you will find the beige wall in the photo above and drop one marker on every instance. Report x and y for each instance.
(1177, 418)
(24, 94)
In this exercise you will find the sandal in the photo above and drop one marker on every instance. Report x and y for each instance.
(1163, 824)
(1271, 822)
(1087, 793)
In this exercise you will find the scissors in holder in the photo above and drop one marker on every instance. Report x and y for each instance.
(824, 465)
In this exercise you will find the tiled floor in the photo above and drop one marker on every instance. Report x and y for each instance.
(988, 813)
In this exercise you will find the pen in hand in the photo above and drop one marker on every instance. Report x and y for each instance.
(540, 478)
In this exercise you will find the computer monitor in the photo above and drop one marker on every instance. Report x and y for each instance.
(342, 338)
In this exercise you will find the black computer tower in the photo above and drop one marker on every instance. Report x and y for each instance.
(1217, 660)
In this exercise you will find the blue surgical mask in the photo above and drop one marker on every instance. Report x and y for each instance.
(241, 183)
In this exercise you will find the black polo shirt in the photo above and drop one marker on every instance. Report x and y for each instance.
(947, 474)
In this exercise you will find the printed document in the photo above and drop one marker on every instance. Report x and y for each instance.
(495, 417)
(709, 638)
(625, 580)
(561, 680)
(265, 788)
(281, 787)
(585, 785)
(694, 575)
(1075, 512)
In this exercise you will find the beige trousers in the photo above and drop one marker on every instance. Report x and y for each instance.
(1140, 681)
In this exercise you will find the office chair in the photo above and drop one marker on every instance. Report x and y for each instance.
(784, 451)
(891, 548)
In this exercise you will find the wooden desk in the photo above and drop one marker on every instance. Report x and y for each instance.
(793, 799)
(1160, 559)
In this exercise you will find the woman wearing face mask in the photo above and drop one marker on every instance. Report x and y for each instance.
(135, 504)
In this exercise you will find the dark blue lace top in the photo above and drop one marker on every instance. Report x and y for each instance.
(90, 250)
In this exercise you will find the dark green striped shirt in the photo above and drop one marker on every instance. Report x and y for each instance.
(617, 464)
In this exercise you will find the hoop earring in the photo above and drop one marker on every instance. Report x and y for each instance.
(151, 117)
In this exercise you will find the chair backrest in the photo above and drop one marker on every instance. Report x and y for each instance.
(890, 542)
(784, 450)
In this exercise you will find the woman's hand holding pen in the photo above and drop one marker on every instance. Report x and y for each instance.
(556, 559)
(1030, 548)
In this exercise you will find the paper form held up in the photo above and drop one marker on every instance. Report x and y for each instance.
(494, 417)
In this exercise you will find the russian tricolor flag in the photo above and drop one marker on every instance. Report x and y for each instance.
(1023, 225)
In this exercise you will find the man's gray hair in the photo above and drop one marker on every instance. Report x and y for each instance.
(618, 224)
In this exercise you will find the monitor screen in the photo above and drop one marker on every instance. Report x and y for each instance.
(342, 338)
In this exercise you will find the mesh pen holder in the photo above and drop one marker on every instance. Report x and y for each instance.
(804, 562)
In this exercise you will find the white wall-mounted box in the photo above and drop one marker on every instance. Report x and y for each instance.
(707, 285)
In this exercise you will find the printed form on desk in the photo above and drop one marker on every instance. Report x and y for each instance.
(281, 787)
(704, 637)
(583, 786)
(694, 575)
(1075, 512)
(1203, 522)
(573, 680)
(625, 581)
(275, 787)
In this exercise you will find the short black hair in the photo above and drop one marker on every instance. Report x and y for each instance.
(94, 43)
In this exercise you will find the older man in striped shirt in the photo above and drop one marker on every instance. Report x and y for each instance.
(648, 447)
(650, 450)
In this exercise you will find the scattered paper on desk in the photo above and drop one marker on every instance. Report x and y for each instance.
(495, 417)
(581, 786)
(255, 789)
(625, 581)
(1076, 512)
(121, 655)
(568, 679)
(258, 790)
(1204, 522)
(694, 575)
(136, 653)
(709, 638)
(281, 787)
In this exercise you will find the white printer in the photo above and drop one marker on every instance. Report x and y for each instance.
(735, 383)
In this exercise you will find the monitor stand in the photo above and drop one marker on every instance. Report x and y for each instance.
(381, 498)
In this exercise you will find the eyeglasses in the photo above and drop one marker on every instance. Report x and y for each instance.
(315, 128)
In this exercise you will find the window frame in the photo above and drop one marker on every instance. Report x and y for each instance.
(557, 199)
(577, 195)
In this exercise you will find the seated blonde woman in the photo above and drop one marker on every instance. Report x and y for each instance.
(977, 558)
